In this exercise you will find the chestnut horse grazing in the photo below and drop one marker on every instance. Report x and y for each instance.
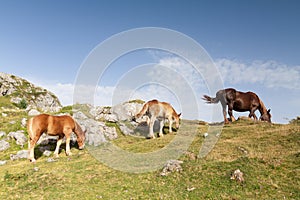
(241, 102)
(161, 111)
(53, 125)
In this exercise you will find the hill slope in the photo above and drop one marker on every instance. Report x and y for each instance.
(268, 155)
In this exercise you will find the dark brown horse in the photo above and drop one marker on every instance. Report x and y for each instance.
(241, 102)
(53, 125)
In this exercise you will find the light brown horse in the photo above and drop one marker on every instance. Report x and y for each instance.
(161, 111)
(241, 102)
(53, 125)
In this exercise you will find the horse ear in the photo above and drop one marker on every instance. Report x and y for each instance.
(179, 114)
(269, 111)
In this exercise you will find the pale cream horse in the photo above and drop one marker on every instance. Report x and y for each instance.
(161, 111)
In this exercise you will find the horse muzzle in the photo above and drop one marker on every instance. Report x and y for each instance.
(81, 147)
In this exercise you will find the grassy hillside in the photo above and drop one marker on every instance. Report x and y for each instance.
(268, 155)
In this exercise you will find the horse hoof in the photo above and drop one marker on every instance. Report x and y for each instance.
(161, 135)
(32, 160)
(56, 155)
(68, 153)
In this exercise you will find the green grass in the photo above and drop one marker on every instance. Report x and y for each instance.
(268, 155)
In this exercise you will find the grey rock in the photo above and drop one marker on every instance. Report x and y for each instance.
(96, 111)
(126, 110)
(110, 117)
(110, 133)
(19, 136)
(36, 97)
(171, 166)
(33, 112)
(125, 130)
(95, 139)
(51, 160)
(24, 122)
(79, 116)
(16, 100)
(47, 153)
(20, 155)
(2, 133)
(4, 145)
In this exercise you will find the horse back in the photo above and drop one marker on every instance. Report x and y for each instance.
(245, 101)
(159, 109)
(52, 124)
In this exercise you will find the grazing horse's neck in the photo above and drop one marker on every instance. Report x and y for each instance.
(262, 108)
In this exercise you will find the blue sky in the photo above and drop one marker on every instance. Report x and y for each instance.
(256, 41)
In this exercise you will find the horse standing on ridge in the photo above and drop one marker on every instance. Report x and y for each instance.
(161, 111)
(241, 102)
(53, 125)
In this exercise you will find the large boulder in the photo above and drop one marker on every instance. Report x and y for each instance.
(96, 131)
(127, 110)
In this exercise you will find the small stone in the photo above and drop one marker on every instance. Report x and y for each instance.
(171, 166)
(189, 189)
(2, 162)
(47, 153)
(36, 169)
(4, 145)
(238, 176)
(24, 122)
(51, 160)
(2, 133)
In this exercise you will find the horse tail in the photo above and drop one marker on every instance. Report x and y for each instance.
(209, 99)
(143, 111)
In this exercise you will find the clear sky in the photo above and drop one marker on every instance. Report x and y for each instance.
(254, 44)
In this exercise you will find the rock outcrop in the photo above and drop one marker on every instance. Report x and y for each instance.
(26, 95)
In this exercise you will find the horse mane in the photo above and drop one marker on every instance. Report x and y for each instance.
(262, 108)
(78, 130)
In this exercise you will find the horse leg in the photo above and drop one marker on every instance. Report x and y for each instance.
(224, 113)
(151, 124)
(170, 124)
(59, 141)
(161, 126)
(230, 108)
(252, 114)
(68, 151)
(68, 138)
(31, 143)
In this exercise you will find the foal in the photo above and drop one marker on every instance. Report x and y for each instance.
(53, 125)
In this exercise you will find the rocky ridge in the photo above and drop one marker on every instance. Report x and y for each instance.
(26, 95)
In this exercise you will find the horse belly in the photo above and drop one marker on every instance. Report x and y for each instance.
(240, 107)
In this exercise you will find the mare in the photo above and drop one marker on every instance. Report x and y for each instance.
(53, 125)
(241, 102)
(161, 111)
